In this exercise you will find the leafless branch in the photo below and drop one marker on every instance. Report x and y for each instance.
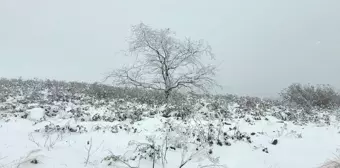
(32, 139)
(121, 160)
(90, 151)
(192, 156)
(167, 64)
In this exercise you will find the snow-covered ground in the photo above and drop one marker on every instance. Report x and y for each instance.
(42, 128)
(24, 140)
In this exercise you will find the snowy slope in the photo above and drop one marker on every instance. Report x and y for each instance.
(298, 146)
(77, 130)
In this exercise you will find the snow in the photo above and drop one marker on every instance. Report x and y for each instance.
(36, 114)
(316, 145)
(36, 137)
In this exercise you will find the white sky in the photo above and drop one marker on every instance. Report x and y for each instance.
(261, 45)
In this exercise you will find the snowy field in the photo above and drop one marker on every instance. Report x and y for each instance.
(41, 142)
(42, 128)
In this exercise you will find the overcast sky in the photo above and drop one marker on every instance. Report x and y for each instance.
(261, 46)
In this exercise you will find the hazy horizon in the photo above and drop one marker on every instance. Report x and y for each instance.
(261, 46)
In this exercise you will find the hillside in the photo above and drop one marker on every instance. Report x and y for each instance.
(69, 124)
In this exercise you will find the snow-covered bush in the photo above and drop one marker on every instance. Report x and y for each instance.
(174, 137)
(310, 96)
(17, 96)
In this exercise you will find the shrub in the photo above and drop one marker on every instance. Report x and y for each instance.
(309, 96)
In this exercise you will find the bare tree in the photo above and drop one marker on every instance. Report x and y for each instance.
(165, 63)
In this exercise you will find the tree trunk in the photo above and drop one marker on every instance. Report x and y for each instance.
(167, 95)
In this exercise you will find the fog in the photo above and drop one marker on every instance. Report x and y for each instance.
(261, 46)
